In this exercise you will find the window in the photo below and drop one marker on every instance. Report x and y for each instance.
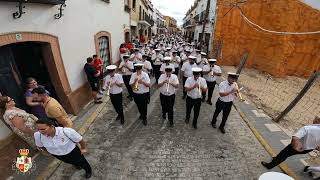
(104, 49)
(134, 5)
(140, 13)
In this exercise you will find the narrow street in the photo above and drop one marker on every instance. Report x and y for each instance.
(157, 151)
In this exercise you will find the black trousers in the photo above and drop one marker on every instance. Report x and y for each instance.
(211, 86)
(167, 103)
(176, 71)
(195, 104)
(141, 101)
(226, 108)
(157, 72)
(184, 90)
(75, 158)
(116, 100)
(126, 80)
(284, 154)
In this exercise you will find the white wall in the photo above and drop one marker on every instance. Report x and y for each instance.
(76, 29)
(313, 3)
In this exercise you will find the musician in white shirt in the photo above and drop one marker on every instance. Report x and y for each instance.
(195, 87)
(210, 74)
(157, 59)
(186, 71)
(166, 62)
(140, 83)
(168, 84)
(113, 84)
(126, 67)
(227, 92)
(136, 56)
(175, 60)
(64, 144)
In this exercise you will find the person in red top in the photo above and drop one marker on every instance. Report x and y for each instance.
(142, 39)
(98, 64)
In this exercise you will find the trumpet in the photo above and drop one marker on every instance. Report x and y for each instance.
(199, 88)
(136, 85)
(167, 85)
(211, 72)
(108, 90)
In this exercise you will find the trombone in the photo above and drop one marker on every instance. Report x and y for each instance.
(199, 87)
(109, 86)
(238, 93)
(167, 84)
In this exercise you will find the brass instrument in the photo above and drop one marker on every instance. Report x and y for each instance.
(123, 69)
(167, 85)
(199, 88)
(238, 92)
(211, 72)
(136, 85)
(109, 86)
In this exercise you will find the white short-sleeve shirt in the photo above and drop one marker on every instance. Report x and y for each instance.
(142, 88)
(187, 69)
(209, 77)
(136, 57)
(177, 61)
(172, 79)
(195, 93)
(117, 78)
(225, 87)
(126, 71)
(164, 65)
(310, 136)
(157, 59)
(62, 143)
(146, 66)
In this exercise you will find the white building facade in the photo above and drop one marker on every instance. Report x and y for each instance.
(57, 47)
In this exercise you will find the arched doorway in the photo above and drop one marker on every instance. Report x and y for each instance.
(19, 52)
(127, 37)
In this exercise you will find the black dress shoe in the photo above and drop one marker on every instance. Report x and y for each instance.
(187, 120)
(183, 97)
(222, 130)
(144, 122)
(118, 118)
(213, 124)
(203, 99)
(164, 116)
(140, 117)
(88, 175)
(195, 126)
(209, 102)
(121, 121)
(266, 165)
(171, 123)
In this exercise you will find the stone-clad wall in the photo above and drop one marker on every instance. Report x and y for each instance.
(279, 55)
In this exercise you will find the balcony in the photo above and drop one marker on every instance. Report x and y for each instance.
(52, 2)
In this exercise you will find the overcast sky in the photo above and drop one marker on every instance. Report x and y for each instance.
(174, 8)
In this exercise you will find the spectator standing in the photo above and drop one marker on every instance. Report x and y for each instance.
(98, 64)
(93, 78)
(36, 108)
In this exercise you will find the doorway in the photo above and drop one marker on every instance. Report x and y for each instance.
(18, 62)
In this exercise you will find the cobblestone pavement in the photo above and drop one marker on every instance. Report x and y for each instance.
(157, 151)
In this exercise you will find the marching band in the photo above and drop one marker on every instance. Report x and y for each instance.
(163, 58)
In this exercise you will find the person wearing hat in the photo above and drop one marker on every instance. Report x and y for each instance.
(181, 49)
(147, 68)
(210, 73)
(126, 68)
(198, 56)
(184, 56)
(166, 62)
(168, 84)
(176, 60)
(168, 52)
(140, 83)
(113, 84)
(227, 93)
(195, 87)
(136, 56)
(186, 72)
(157, 62)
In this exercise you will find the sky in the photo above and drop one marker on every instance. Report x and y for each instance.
(174, 8)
